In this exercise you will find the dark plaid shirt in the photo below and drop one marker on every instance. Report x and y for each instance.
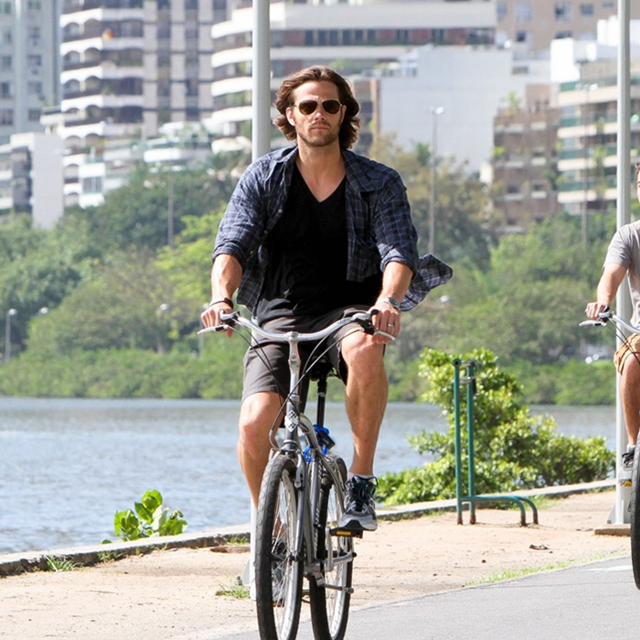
(379, 226)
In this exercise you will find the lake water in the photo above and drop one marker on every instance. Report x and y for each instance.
(68, 465)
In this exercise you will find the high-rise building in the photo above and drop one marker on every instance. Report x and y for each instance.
(529, 26)
(353, 37)
(29, 63)
(129, 67)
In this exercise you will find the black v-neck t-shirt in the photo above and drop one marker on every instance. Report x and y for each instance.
(307, 249)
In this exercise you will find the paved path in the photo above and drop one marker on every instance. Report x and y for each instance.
(592, 602)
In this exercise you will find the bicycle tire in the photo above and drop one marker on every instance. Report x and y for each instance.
(277, 563)
(329, 603)
(634, 507)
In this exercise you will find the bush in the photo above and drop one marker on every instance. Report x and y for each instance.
(513, 450)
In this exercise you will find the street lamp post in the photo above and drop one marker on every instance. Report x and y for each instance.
(435, 112)
(170, 211)
(586, 158)
(7, 334)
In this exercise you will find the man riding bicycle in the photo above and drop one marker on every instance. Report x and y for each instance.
(314, 232)
(623, 259)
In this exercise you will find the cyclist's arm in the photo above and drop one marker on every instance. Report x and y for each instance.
(226, 274)
(612, 276)
(395, 282)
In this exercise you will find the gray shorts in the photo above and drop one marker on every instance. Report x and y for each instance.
(266, 365)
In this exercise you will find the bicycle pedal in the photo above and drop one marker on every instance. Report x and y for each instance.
(346, 533)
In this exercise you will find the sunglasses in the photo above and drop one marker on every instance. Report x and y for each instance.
(307, 107)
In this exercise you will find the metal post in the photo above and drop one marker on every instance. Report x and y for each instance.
(458, 455)
(261, 76)
(7, 334)
(623, 303)
(435, 112)
(470, 443)
(170, 211)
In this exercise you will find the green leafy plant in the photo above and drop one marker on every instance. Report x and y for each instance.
(513, 450)
(150, 518)
(56, 563)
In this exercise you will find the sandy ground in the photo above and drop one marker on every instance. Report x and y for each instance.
(176, 594)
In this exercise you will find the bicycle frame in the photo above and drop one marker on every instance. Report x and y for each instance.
(309, 470)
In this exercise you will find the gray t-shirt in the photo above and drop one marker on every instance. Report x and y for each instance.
(624, 249)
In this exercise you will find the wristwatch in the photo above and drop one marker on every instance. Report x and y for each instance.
(219, 300)
(392, 302)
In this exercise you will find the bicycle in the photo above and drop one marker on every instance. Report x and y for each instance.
(634, 503)
(301, 501)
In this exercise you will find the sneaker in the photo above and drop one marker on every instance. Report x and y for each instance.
(626, 467)
(359, 505)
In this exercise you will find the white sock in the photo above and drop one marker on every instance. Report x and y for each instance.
(358, 475)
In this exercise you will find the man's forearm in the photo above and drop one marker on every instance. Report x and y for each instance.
(395, 281)
(226, 274)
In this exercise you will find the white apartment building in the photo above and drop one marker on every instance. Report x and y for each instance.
(353, 37)
(31, 177)
(129, 67)
(528, 27)
(446, 79)
(29, 63)
(586, 73)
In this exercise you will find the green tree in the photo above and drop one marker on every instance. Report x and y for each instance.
(137, 214)
(121, 308)
(466, 226)
(528, 303)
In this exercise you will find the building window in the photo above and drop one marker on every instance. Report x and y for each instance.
(34, 5)
(560, 35)
(523, 36)
(501, 10)
(524, 12)
(5, 63)
(563, 11)
(92, 185)
(33, 36)
(6, 116)
(5, 7)
(34, 115)
(35, 88)
(5, 90)
(587, 10)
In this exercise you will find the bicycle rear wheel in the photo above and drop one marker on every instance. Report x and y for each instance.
(278, 566)
(635, 518)
(330, 601)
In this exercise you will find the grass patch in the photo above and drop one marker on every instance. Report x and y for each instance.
(59, 564)
(512, 574)
(237, 591)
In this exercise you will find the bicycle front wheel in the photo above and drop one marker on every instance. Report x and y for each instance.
(330, 601)
(635, 518)
(277, 563)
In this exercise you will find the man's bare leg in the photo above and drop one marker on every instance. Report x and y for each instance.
(630, 396)
(366, 398)
(257, 415)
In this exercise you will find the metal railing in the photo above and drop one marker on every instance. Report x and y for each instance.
(468, 380)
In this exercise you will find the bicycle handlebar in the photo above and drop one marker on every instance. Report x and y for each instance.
(607, 315)
(362, 319)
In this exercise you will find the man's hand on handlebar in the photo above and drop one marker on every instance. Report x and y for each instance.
(212, 316)
(595, 309)
(386, 319)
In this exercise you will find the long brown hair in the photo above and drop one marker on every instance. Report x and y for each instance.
(351, 123)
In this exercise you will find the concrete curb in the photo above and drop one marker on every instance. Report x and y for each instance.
(16, 563)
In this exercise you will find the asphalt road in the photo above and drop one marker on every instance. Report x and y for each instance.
(590, 602)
